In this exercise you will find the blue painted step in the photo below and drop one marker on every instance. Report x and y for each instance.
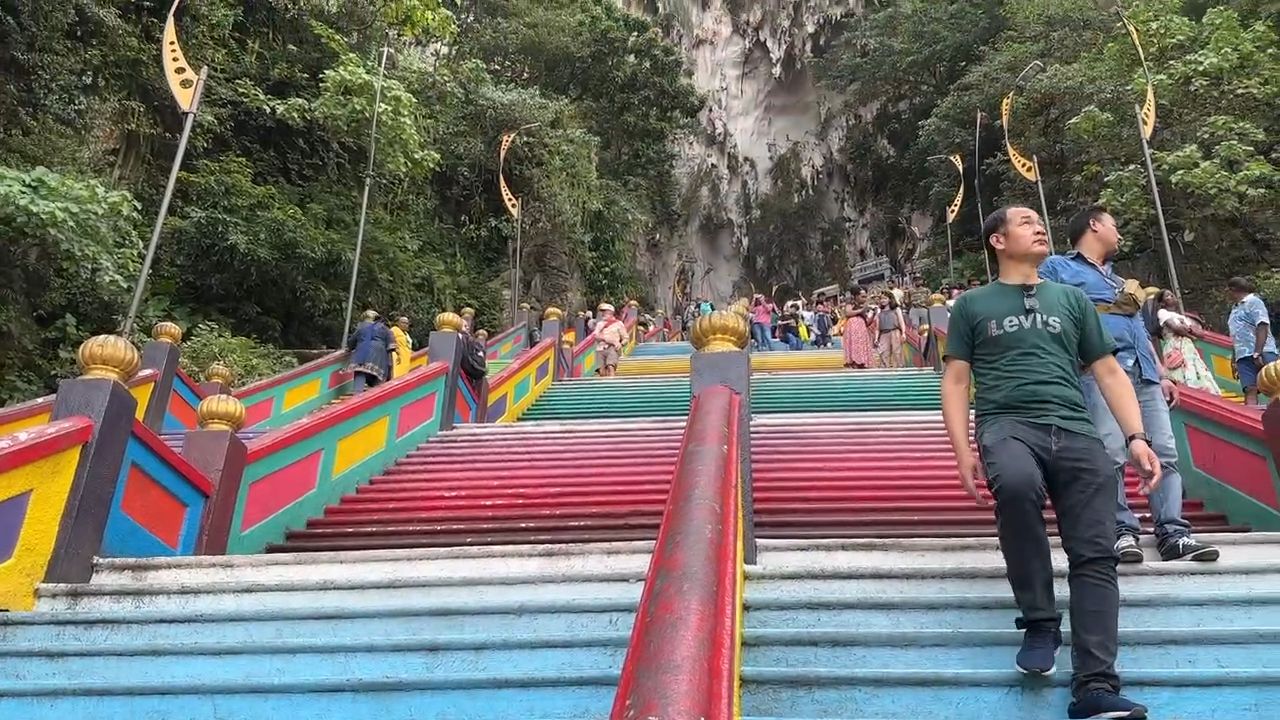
(890, 630)
(465, 633)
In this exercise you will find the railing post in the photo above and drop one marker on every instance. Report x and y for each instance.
(161, 355)
(553, 326)
(446, 345)
(220, 454)
(218, 380)
(106, 363)
(722, 359)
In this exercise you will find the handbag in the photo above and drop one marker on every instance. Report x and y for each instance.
(1173, 359)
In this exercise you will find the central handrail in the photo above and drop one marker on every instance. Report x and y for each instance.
(684, 657)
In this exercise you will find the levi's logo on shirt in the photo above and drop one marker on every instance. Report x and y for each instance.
(1016, 323)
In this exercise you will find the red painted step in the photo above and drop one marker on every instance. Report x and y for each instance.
(816, 476)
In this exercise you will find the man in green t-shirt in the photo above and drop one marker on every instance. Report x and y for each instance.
(1024, 340)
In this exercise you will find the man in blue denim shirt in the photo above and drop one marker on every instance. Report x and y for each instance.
(1095, 238)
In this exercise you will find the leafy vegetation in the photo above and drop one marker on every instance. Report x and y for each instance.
(1216, 67)
(259, 244)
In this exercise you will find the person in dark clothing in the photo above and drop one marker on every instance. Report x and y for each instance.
(1022, 340)
(371, 346)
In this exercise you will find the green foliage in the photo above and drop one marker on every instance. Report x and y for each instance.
(69, 252)
(1216, 69)
(208, 342)
(260, 238)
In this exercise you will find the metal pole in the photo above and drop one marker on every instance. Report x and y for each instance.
(188, 122)
(951, 258)
(515, 280)
(1155, 196)
(977, 190)
(1044, 207)
(364, 201)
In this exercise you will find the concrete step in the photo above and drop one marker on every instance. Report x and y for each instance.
(406, 659)
(1210, 694)
(376, 565)
(897, 629)
(541, 696)
(970, 649)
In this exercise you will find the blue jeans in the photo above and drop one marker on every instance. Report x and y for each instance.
(760, 334)
(1166, 499)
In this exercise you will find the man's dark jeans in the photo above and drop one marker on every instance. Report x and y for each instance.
(1024, 462)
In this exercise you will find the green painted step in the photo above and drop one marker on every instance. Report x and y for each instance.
(781, 393)
(496, 366)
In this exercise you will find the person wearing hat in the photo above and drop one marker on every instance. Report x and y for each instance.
(611, 335)
(370, 347)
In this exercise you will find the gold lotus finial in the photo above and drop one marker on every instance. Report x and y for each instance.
(220, 373)
(108, 356)
(553, 313)
(740, 310)
(721, 331)
(468, 312)
(937, 299)
(221, 412)
(449, 322)
(525, 306)
(167, 332)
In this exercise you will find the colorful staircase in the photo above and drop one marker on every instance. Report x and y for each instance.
(529, 482)
(897, 629)
(464, 633)
(588, 398)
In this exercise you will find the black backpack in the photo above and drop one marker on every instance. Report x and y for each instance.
(474, 365)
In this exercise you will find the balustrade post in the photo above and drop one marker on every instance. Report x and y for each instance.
(215, 450)
(447, 345)
(161, 354)
(722, 359)
(106, 362)
(553, 328)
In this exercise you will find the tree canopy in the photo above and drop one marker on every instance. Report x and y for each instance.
(260, 237)
(917, 71)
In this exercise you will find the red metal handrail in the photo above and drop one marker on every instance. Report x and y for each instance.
(683, 659)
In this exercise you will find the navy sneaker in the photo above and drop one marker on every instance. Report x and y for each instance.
(1105, 704)
(1039, 652)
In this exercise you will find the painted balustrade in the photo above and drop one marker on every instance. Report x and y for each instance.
(36, 412)
(683, 659)
(279, 400)
(293, 472)
(1228, 458)
(519, 384)
(38, 466)
(508, 344)
(158, 503)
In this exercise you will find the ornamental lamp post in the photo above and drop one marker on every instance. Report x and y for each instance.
(515, 206)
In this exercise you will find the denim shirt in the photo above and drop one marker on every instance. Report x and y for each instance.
(1133, 345)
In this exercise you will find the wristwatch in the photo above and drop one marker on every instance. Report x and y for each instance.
(1137, 436)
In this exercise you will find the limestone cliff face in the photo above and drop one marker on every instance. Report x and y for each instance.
(752, 60)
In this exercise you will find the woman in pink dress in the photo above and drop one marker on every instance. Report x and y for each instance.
(857, 335)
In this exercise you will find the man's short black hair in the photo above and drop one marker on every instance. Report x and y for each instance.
(1081, 221)
(995, 223)
(1240, 284)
